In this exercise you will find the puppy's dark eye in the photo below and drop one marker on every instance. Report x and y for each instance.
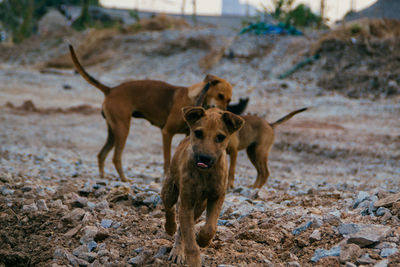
(198, 134)
(220, 138)
(220, 96)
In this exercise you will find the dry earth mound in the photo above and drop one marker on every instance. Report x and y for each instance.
(361, 59)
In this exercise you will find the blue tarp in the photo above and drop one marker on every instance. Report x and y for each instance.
(262, 28)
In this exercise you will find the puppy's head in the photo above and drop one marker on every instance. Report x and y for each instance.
(210, 131)
(220, 93)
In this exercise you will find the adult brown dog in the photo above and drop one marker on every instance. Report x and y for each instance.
(158, 102)
(198, 176)
(257, 137)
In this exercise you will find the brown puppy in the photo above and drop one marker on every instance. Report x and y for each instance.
(158, 102)
(198, 176)
(257, 136)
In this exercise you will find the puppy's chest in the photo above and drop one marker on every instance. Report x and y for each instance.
(207, 184)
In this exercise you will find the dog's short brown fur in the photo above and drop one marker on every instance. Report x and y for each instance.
(158, 102)
(198, 176)
(257, 137)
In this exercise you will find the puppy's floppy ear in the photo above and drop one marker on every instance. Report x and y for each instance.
(192, 114)
(233, 122)
(213, 80)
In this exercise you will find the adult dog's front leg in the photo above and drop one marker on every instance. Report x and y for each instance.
(231, 176)
(186, 220)
(208, 230)
(232, 151)
(167, 140)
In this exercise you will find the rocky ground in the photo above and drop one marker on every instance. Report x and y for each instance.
(332, 198)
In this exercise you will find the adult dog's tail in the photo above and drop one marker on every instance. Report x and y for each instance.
(287, 117)
(85, 75)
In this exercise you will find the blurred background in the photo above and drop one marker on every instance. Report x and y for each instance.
(20, 18)
(334, 10)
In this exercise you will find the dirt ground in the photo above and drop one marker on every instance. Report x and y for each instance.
(55, 210)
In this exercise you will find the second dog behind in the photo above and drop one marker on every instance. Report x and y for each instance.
(257, 137)
(198, 176)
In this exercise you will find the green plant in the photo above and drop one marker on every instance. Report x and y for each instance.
(302, 16)
(20, 17)
(285, 12)
(84, 20)
(134, 14)
(355, 29)
(281, 8)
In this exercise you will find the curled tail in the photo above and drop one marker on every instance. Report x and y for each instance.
(287, 117)
(85, 75)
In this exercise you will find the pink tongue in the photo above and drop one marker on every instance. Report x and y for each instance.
(201, 164)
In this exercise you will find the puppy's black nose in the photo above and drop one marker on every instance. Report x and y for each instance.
(204, 161)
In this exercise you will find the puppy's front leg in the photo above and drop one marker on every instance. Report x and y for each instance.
(186, 220)
(177, 254)
(169, 196)
(208, 230)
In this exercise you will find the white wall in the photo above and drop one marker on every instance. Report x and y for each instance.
(335, 9)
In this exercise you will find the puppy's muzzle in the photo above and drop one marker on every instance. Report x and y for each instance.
(204, 161)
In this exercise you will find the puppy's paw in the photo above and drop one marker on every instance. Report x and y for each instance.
(170, 227)
(194, 260)
(177, 255)
(204, 238)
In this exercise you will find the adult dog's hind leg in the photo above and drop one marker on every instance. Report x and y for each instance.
(101, 157)
(262, 169)
(251, 153)
(259, 157)
(121, 131)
